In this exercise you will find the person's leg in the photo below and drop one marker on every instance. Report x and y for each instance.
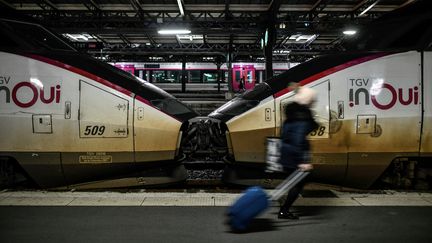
(293, 194)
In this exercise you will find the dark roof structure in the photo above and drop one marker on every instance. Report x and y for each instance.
(127, 30)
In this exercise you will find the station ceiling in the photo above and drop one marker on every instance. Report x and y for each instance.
(127, 30)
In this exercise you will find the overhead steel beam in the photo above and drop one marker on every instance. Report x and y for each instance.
(92, 5)
(124, 39)
(8, 5)
(47, 5)
(137, 6)
(406, 3)
(274, 7)
(364, 6)
(317, 8)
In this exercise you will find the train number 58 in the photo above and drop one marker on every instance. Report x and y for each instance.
(94, 130)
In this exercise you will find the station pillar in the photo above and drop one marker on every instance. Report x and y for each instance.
(183, 76)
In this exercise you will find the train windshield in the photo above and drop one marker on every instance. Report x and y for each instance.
(32, 36)
(237, 106)
(246, 101)
(171, 106)
(166, 102)
(259, 92)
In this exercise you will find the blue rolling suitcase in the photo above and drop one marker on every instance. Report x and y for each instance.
(255, 201)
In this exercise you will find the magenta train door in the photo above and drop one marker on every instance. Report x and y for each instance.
(247, 72)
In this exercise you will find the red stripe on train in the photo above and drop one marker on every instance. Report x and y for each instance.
(332, 70)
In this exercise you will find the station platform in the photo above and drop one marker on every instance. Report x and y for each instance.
(147, 216)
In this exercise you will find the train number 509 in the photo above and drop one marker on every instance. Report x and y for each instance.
(94, 130)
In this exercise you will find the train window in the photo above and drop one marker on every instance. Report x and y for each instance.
(158, 76)
(210, 76)
(195, 76)
(173, 76)
(37, 35)
(249, 76)
(171, 106)
(277, 72)
(237, 76)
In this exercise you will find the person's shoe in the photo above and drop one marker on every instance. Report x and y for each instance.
(287, 215)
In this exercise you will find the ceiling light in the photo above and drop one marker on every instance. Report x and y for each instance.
(368, 8)
(350, 32)
(79, 37)
(180, 5)
(174, 32)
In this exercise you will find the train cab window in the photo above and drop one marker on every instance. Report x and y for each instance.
(259, 92)
(237, 106)
(171, 106)
(36, 35)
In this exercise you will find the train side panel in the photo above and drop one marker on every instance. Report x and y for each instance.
(249, 131)
(426, 142)
(48, 113)
(382, 114)
(156, 133)
(368, 104)
(66, 126)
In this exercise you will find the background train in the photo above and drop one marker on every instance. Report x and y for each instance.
(201, 76)
(68, 119)
(374, 107)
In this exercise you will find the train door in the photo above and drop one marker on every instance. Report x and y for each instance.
(245, 74)
(329, 150)
(329, 155)
(103, 144)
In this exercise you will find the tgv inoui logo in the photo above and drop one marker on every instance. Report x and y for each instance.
(25, 94)
(382, 95)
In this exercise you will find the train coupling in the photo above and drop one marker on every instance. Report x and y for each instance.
(204, 140)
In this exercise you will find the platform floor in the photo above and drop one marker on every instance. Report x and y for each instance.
(326, 216)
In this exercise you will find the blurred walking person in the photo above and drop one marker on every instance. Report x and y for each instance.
(295, 151)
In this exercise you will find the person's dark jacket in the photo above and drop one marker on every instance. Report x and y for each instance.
(295, 145)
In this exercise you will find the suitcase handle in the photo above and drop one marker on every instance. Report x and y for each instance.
(288, 183)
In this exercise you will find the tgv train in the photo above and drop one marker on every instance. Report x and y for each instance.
(374, 110)
(68, 119)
